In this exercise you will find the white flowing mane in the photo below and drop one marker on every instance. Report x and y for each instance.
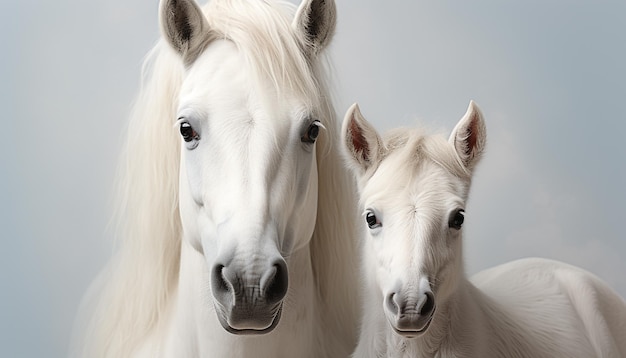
(131, 295)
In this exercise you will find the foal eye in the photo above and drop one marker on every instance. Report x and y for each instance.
(372, 220)
(311, 133)
(187, 132)
(456, 219)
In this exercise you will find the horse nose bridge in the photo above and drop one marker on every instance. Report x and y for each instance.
(248, 228)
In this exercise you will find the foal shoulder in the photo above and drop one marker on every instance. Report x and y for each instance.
(564, 308)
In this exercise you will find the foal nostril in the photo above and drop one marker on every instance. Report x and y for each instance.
(275, 281)
(429, 304)
(390, 303)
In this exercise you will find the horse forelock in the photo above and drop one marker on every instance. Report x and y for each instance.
(263, 33)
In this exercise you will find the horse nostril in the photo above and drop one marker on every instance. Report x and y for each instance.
(428, 305)
(391, 304)
(219, 283)
(275, 282)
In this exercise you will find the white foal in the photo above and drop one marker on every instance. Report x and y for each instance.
(417, 300)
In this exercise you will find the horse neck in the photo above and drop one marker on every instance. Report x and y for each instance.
(193, 330)
(334, 252)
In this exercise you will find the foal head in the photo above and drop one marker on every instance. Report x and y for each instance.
(250, 111)
(413, 191)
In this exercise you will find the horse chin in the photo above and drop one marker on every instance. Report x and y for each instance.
(251, 331)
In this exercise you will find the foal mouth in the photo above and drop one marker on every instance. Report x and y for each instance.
(416, 332)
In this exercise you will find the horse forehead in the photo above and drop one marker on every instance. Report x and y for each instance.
(219, 68)
(221, 77)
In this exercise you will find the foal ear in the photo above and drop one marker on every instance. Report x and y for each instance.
(361, 142)
(186, 29)
(469, 136)
(315, 23)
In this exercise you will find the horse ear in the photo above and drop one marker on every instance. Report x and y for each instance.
(469, 136)
(315, 23)
(361, 142)
(186, 29)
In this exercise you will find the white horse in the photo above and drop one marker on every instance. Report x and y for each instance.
(418, 302)
(236, 205)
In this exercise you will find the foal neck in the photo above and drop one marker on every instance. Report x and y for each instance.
(454, 331)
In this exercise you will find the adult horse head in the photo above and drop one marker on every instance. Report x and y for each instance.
(235, 203)
(249, 114)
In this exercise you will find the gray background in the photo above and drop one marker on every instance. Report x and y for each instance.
(548, 75)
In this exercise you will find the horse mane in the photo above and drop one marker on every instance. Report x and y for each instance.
(130, 296)
(136, 285)
(334, 248)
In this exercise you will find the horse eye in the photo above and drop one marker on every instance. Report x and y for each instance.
(188, 133)
(456, 219)
(372, 220)
(311, 133)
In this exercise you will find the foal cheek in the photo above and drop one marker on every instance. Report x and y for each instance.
(446, 277)
(384, 263)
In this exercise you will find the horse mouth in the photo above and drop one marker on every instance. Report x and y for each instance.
(260, 327)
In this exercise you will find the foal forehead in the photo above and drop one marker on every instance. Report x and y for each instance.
(412, 176)
(410, 183)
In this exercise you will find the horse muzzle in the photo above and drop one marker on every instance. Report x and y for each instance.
(249, 303)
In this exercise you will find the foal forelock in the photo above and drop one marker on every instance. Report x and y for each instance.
(418, 147)
(406, 151)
